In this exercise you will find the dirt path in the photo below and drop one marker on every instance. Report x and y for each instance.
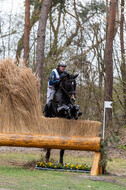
(108, 179)
(112, 151)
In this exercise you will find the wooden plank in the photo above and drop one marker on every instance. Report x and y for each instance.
(96, 168)
(51, 142)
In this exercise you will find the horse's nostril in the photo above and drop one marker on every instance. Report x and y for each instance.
(73, 99)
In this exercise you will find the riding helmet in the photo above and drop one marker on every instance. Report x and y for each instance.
(63, 64)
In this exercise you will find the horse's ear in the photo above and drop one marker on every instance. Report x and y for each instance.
(75, 76)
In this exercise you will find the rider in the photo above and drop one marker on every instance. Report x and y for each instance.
(55, 78)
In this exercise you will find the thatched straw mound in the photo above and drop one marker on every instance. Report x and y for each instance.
(65, 127)
(20, 109)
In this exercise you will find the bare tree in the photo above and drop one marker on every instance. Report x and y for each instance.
(123, 64)
(109, 57)
(107, 15)
(41, 40)
(34, 18)
(26, 32)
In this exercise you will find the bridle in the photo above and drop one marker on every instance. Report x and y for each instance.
(68, 93)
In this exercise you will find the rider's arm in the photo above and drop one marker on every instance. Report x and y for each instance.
(52, 79)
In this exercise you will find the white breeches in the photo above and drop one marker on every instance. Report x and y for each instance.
(50, 94)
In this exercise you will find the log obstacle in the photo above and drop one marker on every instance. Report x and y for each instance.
(51, 142)
(57, 142)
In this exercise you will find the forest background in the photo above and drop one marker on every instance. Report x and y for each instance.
(88, 35)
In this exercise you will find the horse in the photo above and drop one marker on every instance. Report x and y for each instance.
(63, 105)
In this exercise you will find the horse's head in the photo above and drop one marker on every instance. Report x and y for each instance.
(69, 86)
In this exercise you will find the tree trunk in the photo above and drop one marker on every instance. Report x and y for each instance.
(109, 59)
(41, 40)
(26, 32)
(53, 51)
(107, 14)
(123, 64)
(33, 20)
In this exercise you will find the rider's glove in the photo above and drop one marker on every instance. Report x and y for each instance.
(63, 75)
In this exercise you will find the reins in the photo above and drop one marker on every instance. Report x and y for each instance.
(65, 89)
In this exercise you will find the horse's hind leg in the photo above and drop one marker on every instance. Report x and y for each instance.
(61, 156)
(47, 155)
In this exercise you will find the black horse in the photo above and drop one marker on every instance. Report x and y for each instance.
(63, 105)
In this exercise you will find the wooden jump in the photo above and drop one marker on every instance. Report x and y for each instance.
(56, 142)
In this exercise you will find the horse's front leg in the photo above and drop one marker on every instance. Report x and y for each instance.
(61, 156)
(75, 112)
(47, 155)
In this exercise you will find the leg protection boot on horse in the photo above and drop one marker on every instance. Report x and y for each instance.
(62, 108)
(76, 111)
(64, 111)
(47, 109)
(78, 114)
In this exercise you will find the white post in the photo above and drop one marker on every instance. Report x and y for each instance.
(107, 104)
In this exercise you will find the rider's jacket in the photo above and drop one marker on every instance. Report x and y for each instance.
(53, 81)
(54, 77)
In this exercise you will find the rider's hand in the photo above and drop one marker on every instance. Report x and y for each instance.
(63, 75)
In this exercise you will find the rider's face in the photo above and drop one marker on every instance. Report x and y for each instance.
(61, 68)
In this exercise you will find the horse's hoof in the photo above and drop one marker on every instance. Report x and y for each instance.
(79, 114)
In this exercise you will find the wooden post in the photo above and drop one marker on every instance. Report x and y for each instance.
(96, 168)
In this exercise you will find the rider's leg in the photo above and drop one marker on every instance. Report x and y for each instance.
(47, 109)
(50, 94)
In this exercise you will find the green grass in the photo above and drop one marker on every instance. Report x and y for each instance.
(21, 179)
(123, 147)
(19, 157)
(117, 166)
(14, 177)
